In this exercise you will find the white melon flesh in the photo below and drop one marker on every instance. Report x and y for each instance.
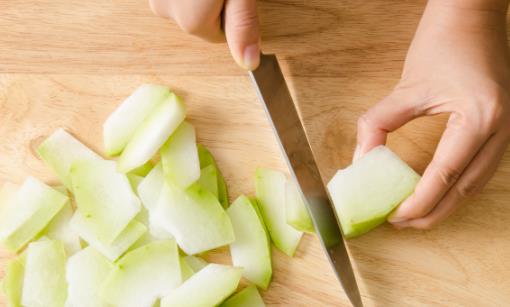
(366, 192)
(248, 297)
(195, 263)
(251, 249)
(209, 179)
(195, 218)
(44, 283)
(129, 235)
(104, 198)
(25, 211)
(12, 283)
(209, 287)
(85, 272)
(295, 210)
(270, 190)
(143, 275)
(179, 156)
(152, 133)
(206, 159)
(60, 150)
(121, 125)
(60, 229)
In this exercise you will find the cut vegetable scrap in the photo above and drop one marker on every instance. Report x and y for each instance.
(25, 211)
(44, 282)
(104, 198)
(195, 263)
(122, 124)
(12, 283)
(59, 229)
(152, 133)
(129, 235)
(251, 249)
(270, 190)
(366, 192)
(295, 210)
(195, 218)
(206, 159)
(209, 287)
(248, 297)
(209, 179)
(179, 156)
(85, 272)
(143, 275)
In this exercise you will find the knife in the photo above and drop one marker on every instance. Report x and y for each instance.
(275, 96)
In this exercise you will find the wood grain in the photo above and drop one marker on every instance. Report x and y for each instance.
(69, 63)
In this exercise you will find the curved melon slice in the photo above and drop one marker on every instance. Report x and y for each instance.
(104, 198)
(366, 192)
(26, 211)
(206, 159)
(152, 133)
(248, 297)
(143, 275)
(179, 156)
(251, 249)
(85, 272)
(60, 150)
(209, 287)
(270, 190)
(195, 218)
(44, 283)
(12, 283)
(209, 179)
(60, 229)
(295, 210)
(121, 125)
(129, 235)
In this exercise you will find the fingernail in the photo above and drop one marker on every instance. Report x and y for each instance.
(357, 153)
(251, 56)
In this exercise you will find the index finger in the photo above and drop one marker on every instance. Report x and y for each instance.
(459, 144)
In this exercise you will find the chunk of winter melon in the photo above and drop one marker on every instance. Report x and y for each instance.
(59, 229)
(206, 159)
(209, 179)
(12, 283)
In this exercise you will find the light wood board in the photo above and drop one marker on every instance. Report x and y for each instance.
(68, 63)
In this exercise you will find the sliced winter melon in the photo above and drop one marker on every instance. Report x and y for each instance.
(59, 229)
(366, 192)
(143, 170)
(129, 235)
(44, 283)
(179, 156)
(104, 198)
(186, 270)
(26, 211)
(85, 272)
(209, 179)
(206, 159)
(122, 124)
(248, 297)
(60, 150)
(295, 210)
(270, 190)
(209, 287)
(195, 218)
(12, 283)
(134, 180)
(251, 249)
(143, 275)
(195, 263)
(152, 133)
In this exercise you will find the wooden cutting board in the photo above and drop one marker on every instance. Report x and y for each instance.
(68, 63)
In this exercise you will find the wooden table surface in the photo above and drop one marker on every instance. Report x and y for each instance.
(68, 63)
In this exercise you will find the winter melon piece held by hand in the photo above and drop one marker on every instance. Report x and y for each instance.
(295, 210)
(209, 287)
(270, 188)
(251, 249)
(143, 275)
(248, 297)
(366, 192)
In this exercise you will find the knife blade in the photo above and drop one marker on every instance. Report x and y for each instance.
(283, 115)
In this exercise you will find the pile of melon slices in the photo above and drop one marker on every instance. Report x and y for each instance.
(130, 231)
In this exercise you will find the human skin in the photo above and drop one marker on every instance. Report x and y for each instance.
(458, 64)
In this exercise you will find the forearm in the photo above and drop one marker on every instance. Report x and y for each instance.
(500, 6)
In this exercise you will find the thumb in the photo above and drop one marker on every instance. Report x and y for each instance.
(242, 32)
(386, 116)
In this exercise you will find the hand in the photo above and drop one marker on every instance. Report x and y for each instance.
(205, 19)
(458, 63)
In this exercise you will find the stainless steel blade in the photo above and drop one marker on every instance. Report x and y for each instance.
(274, 94)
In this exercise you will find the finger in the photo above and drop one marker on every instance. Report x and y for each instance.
(201, 18)
(460, 142)
(386, 116)
(242, 32)
(472, 181)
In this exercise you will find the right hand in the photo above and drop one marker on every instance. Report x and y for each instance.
(208, 18)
